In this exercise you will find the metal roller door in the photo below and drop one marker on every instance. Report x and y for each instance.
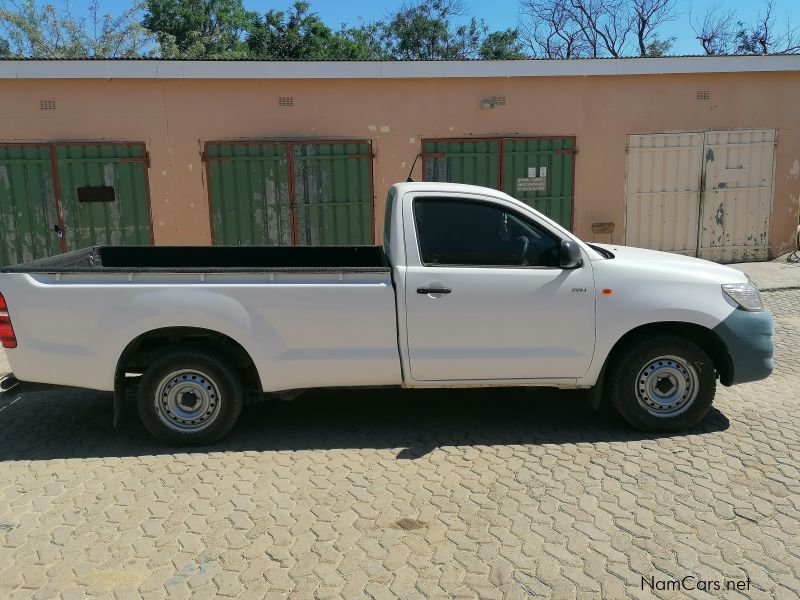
(60, 197)
(536, 170)
(283, 193)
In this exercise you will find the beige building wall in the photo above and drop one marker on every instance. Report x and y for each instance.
(175, 118)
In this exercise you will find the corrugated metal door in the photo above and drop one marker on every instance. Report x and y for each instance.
(537, 170)
(104, 194)
(333, 193)
(737, 197)
(248, 184)
(27, 204)
(663, 189)
(474, 162)
(283, 193)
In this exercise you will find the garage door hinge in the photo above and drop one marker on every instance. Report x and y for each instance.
(361, 155)
(564, 151)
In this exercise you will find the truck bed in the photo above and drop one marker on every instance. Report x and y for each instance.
(206, 259)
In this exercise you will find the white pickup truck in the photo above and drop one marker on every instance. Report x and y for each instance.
(471, 288)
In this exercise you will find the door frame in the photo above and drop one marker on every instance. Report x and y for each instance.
(501, 156)
(56, 177)
(289, 143)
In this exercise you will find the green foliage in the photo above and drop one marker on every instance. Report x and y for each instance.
(415, 30)
(659, 46)
(301, 35)
(502, 45)
(41, 31)
(198, 28)
(427, 31)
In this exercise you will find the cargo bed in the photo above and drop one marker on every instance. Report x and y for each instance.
(208, 259)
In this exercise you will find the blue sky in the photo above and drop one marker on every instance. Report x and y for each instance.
(498, 14)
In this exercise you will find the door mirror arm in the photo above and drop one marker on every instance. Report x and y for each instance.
(570, 256)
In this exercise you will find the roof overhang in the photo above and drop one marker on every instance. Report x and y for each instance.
(165, 69)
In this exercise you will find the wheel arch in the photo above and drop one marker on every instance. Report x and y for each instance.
(143, 349)
(704, 337)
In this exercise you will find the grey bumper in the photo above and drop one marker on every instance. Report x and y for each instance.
(748, 338)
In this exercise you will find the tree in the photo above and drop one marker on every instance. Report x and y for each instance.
(648, 15)
(551, 30)
(714, 31)
(427, 31)
(720, 32)
(198, 28)
(597, 28)
(577, 28)
(301, 35)
(501, 45)
(658, 46)
(36, 31)
(764, 37)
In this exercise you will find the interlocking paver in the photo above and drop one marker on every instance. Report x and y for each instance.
(477, 493)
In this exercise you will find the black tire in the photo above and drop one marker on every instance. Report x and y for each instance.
(182, 376)
(685, 366)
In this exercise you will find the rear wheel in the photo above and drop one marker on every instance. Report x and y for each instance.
(665, 383)
(187, 397)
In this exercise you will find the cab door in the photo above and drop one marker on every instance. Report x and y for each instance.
(486, 299)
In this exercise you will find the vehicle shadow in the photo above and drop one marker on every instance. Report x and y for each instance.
(77, 424)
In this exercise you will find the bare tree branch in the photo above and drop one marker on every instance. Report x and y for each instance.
(715, 31)
(648, 15)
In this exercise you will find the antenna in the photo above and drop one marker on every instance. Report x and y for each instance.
(414, 164)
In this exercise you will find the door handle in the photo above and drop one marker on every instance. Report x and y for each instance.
(434, 290)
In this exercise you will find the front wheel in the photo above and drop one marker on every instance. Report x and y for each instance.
(189, 398)
(664, 383)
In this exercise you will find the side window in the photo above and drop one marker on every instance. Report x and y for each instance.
(468, 233)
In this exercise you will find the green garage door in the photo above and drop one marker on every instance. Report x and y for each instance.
(104, 197)
(60, 197)
(28, 218)
(538, 171)
(283, 193)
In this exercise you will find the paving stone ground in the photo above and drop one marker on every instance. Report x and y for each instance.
(487, 493)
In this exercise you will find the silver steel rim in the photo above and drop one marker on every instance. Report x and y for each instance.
(187, 400)
(667, 386)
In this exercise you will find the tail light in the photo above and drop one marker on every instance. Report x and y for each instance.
(7, 337)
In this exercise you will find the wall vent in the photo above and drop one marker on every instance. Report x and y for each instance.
(499, 100)
(285, 100)
(703, 95)
(47, 104)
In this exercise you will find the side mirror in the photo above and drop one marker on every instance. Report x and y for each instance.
(570, 256)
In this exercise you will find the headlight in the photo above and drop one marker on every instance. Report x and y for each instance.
(744, 294)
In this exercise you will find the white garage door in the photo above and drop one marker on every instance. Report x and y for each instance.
(663, 191)
(737, 195)
(706, 194)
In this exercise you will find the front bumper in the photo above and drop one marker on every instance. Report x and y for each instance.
(748, 338)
